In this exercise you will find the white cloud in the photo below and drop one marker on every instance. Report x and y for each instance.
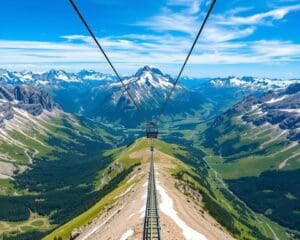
(183, 20)
(214, 33)
(224, 41)
(259, 18)
(154, 52)
(170, 21)
(192, 6)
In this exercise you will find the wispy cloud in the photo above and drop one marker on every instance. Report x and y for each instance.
(156, 51)
(191, 6)
(170, 21)
(259, 18)
(226, 40)
(183, 20)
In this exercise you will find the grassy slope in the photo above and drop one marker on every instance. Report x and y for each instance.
(238, 150)
(248, 158)
(122, 163)
(63, 146)
(225, 207)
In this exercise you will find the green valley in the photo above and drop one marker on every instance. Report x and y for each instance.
(259, 164)
(191, 172)
(52, 162)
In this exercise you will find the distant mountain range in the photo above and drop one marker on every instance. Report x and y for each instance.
(225, 92)
(149, 87)
(101, 96)
(249, 83)
(52, 77)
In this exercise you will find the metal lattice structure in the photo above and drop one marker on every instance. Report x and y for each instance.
(152, 222)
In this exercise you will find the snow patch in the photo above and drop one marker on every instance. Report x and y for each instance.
(274, 100)
(144, 200)
(297, 111)
(166, 206)
(127, 234)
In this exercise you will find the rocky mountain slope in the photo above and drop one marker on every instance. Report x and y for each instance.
(23, 97)
(255, 146)
(47, 157)
(281, 108)
(149, 87)
(225, 92)
(66, 88)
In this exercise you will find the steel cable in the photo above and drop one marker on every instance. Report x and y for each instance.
(187, 58)
(102, 50)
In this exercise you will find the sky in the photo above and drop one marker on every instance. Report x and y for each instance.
(242, 37)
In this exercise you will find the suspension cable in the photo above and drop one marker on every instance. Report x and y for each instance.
(162, 109)
(103, 52)
(187, 58)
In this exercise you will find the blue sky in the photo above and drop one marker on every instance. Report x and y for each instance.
(242, 37)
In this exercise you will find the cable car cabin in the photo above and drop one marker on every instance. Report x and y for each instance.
(151, 130)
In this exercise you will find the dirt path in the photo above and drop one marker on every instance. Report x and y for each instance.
(181, 218)
(285, 161)
(125, 217)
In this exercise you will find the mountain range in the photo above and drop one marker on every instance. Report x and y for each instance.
(149, 88)
(52, 77)
(80, 128)
(102, 97)
(250, 83)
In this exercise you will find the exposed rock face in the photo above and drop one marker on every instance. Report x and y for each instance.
(24, 97)
(280, 108)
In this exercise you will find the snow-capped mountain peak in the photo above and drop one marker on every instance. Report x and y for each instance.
(250, 83)
(148, 84)
(149, 77)
(150, 69)
(51, 78)
(93, 75)
(61, 75)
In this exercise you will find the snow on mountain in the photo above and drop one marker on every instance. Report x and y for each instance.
(93, 75)
(250, 83)
(147, 83)
(149, 77)
(51, 77)
(279, 108)
(145, 78)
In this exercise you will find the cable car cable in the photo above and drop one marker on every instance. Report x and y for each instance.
(187, 58)
(162, 109)
(102, 50)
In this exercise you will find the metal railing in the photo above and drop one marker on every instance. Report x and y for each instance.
(152, 222)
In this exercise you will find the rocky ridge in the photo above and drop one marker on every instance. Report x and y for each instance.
(25, 97)
(280, 108)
